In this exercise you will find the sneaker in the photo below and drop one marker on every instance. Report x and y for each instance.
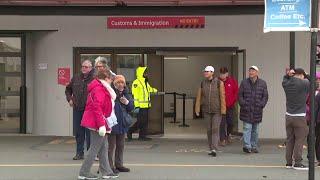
(116, 171)
(300, 167)
(254, 150)
(123, 169)
(246, 150)
(78, 157)
(213, 153)
(110, 176)
(88, 177)
(289, 166)
(144, 139)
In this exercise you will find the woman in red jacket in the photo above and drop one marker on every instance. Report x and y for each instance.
(231, 89)
(98, 109)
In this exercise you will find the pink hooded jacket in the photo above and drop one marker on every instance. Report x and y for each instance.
(98, 106)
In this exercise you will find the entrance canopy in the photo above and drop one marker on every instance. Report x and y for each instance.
(129, 2)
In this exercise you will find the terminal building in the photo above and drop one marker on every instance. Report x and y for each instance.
(40, 41)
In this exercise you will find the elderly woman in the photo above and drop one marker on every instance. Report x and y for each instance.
(98, 110)
(123, 105)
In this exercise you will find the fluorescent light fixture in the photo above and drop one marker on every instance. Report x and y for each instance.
(176, 58)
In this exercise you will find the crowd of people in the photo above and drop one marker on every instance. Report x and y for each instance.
(102, 106)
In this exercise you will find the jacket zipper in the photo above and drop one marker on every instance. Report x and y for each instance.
(210, 97)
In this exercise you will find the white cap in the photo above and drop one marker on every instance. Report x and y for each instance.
(209, 68)
(254, 67)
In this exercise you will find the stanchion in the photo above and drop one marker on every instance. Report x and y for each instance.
(184, 112)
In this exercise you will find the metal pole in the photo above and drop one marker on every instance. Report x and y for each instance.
(184, 112)
(292, 49)
(313, 54)
(174, 108)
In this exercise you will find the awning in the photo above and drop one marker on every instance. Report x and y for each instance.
(129, 2)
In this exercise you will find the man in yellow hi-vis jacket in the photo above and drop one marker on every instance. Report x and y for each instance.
(141, 91)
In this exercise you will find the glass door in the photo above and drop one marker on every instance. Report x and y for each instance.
(241, 75)
(10, 84)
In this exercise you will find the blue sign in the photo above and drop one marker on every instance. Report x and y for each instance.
(287, 15)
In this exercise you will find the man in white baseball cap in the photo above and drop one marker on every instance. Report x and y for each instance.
(211, 100)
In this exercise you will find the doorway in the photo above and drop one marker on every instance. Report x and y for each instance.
(170, 70)
(12, 84)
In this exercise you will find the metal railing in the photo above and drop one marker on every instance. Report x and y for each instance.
(175, 94)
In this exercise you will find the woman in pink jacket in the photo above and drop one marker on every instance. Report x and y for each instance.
(98, 109)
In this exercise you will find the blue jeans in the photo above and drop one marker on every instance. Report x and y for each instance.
(250, 135)
(80, 132)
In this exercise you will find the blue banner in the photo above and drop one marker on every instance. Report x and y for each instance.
(287, 15)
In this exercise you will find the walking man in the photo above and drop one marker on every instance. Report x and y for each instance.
(211, 98)
(253, 97)
(296, 88)
(76, 94)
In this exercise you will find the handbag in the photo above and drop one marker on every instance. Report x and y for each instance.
(127, 118)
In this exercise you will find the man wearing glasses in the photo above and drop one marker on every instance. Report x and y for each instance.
(76, 94)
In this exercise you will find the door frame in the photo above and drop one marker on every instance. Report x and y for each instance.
(142, 50)
(23, 88)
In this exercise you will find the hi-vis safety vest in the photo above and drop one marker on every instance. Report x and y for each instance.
(141, 90)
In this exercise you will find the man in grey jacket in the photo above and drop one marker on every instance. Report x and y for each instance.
(296, 88)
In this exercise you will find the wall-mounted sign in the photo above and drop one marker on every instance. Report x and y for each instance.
(63, 76)
(155, 22)
(42, 66)
(287, 15)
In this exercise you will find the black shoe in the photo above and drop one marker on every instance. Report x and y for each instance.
(123, 169)
(289, 166)
(246, 150)
(110, 176)
(300, 167)
(78, 157)
(213, 153)
(116, 171)
(254, 151)
(129, 136)
(88, 176)
(144, 139)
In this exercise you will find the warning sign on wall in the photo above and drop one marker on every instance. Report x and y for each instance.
(63, 76)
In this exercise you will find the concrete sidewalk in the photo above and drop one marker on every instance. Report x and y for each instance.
(31, 157)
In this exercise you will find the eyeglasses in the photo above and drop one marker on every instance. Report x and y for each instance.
(99, 66)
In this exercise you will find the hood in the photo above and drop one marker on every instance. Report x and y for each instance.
(140, 71)
(95, 83)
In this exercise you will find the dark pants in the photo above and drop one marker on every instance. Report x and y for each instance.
(116, 147)
(142, 123)
(318, 141)
(80, 132)
(297, 131)
(226, 125)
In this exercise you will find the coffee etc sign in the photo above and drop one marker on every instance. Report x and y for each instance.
(155, 22)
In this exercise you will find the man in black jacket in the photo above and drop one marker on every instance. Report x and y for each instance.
(253, 97)
(76, 94)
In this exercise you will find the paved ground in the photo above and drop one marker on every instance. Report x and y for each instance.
(28, 157)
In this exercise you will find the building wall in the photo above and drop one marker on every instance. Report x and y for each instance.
(51, 114)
